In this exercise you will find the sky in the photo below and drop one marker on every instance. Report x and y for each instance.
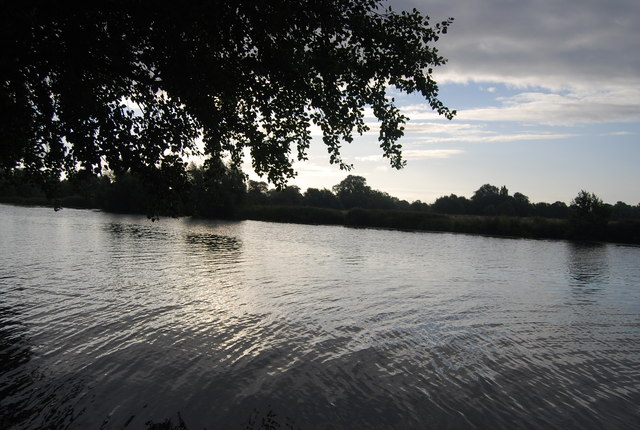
(548, 101)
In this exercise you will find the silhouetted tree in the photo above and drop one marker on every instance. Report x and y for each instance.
(521, 204)
(401, 204)
(353, 191)
(126, 194)
(418, 205)
(486, 199)
(556, 210)
(257, 193)
(323, 198)
(491, 200)
(587, 205)
(287, 196)
(589, 215)
(16, 184)
(216, 189)
(622, 210)
(452, 204)
(381, 200)
(131, 87)
(486, 191)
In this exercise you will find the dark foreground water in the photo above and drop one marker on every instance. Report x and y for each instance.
(111, 321)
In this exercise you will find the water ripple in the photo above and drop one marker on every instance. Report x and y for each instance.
(114, 322)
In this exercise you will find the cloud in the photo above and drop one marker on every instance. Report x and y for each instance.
(376, 157)
(495, 138)
(573, 60)
(423, 154)
(572, 43)
(618, 133)
(562, 109)
(540, 107)
(309, 169)
(427, 132)
(417, 154)
(439, 127)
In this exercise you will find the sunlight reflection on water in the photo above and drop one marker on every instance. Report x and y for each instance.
(109, 320)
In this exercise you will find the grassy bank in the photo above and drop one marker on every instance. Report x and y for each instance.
(624, 231)
(627, 231)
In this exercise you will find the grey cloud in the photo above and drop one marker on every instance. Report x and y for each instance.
(539, 42)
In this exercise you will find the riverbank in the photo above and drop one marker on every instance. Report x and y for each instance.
(626, 231)
(623, 231)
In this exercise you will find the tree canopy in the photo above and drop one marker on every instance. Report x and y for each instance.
(130, 86)
(589, 214)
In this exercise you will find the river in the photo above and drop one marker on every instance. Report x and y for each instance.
(114, 321)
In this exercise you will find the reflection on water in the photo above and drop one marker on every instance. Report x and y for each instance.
(588, 262)
(111, 321)
(589, 270)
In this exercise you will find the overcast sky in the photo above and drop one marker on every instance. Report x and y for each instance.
(548, 100)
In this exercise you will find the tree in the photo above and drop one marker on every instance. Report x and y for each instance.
(589, 215)
(323, 198)
(558, 210)
(287, 196)
(487, 198)
(521, 204)
(353, 191)
(419, 206)
(381, 200)
(586, 204)
(215, 189)
(622, 210)
(488, 191)
(131, 87)
(451, 204)
(257, 192)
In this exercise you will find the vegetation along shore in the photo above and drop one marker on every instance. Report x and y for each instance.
(225, 194)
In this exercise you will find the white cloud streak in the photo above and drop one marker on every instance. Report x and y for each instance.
(562, 109)
(516, 137)
(567, 44)
(618, 133)
(426, 132)
(556, 109)
(416, 154)
(309, 169)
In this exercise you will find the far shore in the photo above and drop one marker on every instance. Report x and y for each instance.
(624, 231)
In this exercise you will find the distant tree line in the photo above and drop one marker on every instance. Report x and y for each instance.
(491, 200)
(352, 192)
(211, 191)
(216, 190)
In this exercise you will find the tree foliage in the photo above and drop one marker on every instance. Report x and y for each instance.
(588, 214)
(452, 204)
(323, 198)
(586, 204)
(215, 189)
(130, 86)
(353, 192)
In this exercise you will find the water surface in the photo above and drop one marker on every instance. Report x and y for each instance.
(110, 321)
